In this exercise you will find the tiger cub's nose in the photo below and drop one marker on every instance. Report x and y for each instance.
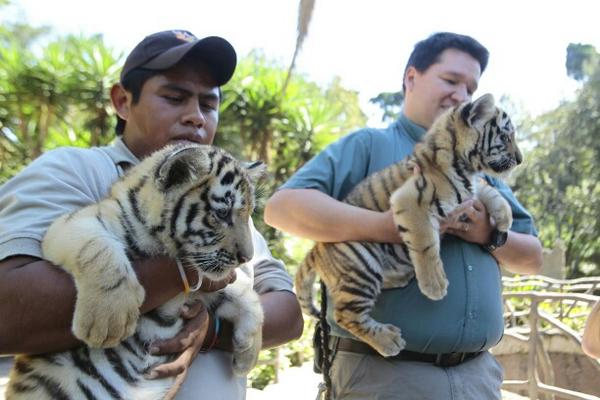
(242, 258)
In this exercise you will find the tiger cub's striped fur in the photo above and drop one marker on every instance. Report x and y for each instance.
(467, 140)
(192, 203)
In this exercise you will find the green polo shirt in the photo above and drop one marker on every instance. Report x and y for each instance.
(469, 318)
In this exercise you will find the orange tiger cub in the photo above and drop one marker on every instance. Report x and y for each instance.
(465, 142)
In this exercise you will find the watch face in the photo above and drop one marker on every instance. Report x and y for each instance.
(499, 238)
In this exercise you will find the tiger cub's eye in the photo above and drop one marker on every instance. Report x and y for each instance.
(223, 213)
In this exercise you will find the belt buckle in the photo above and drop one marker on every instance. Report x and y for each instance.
(449, 359)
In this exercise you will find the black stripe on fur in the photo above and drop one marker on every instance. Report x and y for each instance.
(81, 360)
(159, 319)
(87, 392)
(50, 386)
(117, 363)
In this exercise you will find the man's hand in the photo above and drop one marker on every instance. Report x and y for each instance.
(188, 341)
(470, 221)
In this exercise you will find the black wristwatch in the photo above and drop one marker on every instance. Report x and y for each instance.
(497, 239)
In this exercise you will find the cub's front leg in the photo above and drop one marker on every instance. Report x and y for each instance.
(496, 206)
(241, 306)
(108, 293)
(420, 233)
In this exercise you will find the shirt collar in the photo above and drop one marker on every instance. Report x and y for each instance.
(120, 153)
(415, 131)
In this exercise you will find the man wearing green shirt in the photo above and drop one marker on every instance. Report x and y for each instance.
(447, 340)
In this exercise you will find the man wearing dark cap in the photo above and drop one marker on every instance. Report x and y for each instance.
(168, 93)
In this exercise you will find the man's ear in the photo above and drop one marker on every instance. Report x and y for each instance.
(409, 78)
(121, 100)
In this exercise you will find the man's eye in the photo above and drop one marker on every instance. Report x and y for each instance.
(450, 81)
(173, 99)
(207, 106)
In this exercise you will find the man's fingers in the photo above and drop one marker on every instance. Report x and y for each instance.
(194, 329)
(174, 345)
(478, 205)
(190, 311)
(165, 370)
(213, 286)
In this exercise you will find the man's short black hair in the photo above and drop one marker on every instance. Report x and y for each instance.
(427, 51)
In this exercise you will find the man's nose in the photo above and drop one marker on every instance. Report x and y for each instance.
(193, 114)
(461, 94)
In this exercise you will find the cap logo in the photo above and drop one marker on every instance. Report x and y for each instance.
(184, 36)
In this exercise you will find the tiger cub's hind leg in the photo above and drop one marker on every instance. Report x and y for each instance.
(353, 287)
(352, 312)
(420, 234)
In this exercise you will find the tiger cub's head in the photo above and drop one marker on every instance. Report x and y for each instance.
(204, 201)
(485, 137)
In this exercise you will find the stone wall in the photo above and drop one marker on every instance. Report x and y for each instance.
(573, 370)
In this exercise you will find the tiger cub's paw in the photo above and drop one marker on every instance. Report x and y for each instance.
(503, 217)
(245, 358)
(432, 280)
(106, 318)
(388, 341)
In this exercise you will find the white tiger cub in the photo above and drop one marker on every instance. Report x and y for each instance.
(465, 141)
(192, 203)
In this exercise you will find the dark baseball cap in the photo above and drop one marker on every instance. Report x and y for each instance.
(162, 50)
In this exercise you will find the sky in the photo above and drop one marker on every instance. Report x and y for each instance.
(366, 43)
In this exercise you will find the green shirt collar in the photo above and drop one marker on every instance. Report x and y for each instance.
(413, 130)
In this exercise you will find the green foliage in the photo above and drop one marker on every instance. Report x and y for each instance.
(57, 98)
(293, 354)
(560, 181)
(264, 373)
(581, 60)
(284, 132)
(390, 103)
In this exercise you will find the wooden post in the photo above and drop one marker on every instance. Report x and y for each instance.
(531, 365)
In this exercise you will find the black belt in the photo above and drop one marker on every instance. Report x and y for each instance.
(440, 360)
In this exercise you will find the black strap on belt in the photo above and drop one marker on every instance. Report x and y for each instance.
(440, 360)
(327, 357)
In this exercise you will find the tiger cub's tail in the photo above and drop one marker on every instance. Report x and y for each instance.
(304, 282)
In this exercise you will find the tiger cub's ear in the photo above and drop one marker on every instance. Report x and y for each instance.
(182, 166)
(477, 113)
(255, 170)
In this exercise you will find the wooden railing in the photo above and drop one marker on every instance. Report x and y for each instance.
(528, 317)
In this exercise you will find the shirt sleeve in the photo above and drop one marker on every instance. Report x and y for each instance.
(336, 169)
(522, 219)
(56, 183)
(269, 273)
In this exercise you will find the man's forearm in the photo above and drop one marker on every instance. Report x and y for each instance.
(314, 215)
(37, 301)
(283, 318)
(522, 254)
(591, 334)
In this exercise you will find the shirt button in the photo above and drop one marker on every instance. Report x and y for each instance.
(470, 267)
